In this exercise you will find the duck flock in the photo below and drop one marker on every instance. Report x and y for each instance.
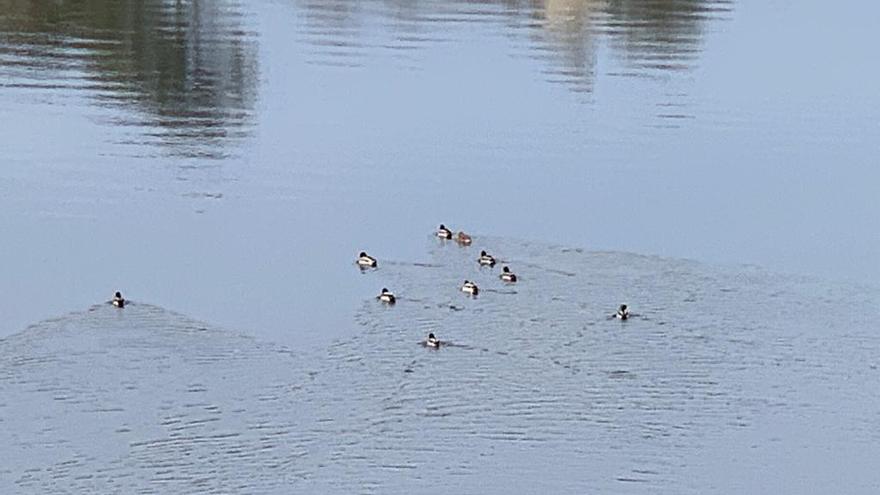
(365, 261)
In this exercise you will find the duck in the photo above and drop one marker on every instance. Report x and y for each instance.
(622, 312)
(443, 232)
(118, 300)
(507, 275)
(387, 296)
(432, 341)
(470, 287)
(486, 259)
(365, 260)
(463, 239)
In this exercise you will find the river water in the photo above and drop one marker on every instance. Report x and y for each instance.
(722, 381)
(226, 161)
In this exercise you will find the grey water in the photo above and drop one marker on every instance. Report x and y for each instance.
(712, 163)
(722, 381)
(224, 159)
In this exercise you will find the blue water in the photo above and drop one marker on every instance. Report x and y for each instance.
(722, 381)
(227, 161)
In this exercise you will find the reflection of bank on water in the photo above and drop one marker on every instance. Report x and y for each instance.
(183, 75)
(186, 69)
(647, 38)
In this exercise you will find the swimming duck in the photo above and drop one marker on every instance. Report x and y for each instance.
(463, 239)
(486, 259)
(470, 287)
(432, 341)
(387, 296)
(118, 300)
(507, 275)
(365, 260)
(443, 232)
(622, 312)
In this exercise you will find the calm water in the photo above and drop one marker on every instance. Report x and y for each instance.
(226, 161)
(726, 381)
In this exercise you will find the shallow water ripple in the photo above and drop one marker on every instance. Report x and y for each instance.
(143, 399)
(539, 382)
(536, 387)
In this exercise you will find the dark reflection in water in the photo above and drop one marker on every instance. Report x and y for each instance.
(648, 36)
(190, 67)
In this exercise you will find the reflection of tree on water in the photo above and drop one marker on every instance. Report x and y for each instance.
(190, 65)
(662, 34)
(647, 34)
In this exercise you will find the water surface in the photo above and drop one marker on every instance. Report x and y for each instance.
(228, 159)
(723, 381)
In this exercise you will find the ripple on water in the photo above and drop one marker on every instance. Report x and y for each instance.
(537, 388)
(141, 399)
